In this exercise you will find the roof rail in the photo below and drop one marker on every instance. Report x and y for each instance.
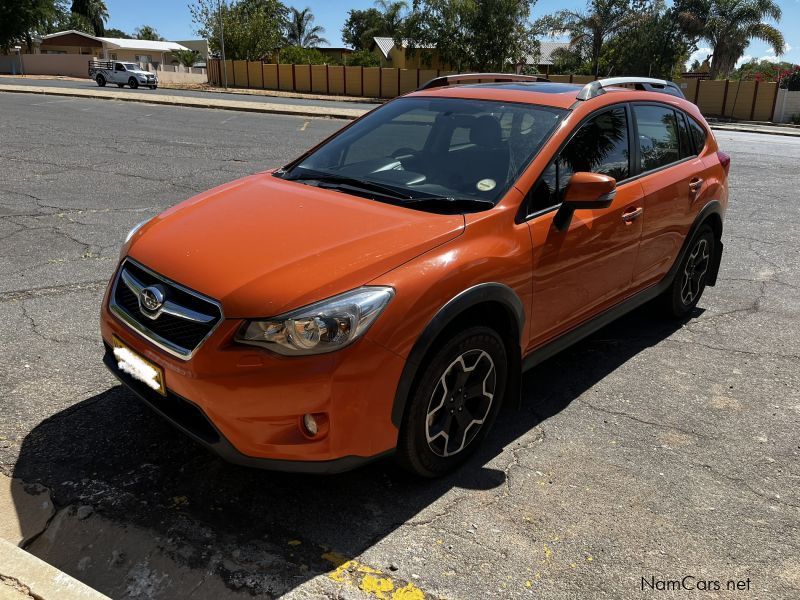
(646, 84)
(447, 80)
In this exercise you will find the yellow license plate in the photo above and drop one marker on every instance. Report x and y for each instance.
(138, 367)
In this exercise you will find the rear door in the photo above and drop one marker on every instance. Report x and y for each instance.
(579, 272)
(671, 175)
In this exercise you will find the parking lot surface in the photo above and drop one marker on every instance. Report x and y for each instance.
(650, 452)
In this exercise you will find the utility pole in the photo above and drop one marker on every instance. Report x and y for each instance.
(222, 44)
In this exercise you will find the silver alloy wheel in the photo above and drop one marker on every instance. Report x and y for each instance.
(460, 403)
(695, 270)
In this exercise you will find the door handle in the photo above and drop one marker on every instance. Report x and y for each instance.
(695, 185)
(632, 215)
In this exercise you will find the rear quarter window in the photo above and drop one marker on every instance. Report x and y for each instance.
(698, 133)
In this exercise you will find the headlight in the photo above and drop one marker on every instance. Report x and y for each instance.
(321, 327)
(136, 228)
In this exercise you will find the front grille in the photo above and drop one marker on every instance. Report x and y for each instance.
(178, 335)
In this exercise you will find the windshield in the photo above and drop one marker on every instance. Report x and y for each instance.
(447, 148)
(131, 67)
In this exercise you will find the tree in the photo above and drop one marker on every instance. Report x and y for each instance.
(651, 45)
(364, 25)
(301, 30)
(94, 11)
(20, 20)
(363, 58)
(298, 55)
(361, 26)
(187, 58)
(392, 13)
(729, 25)
(591, 29)
(147, 32)
(253, 28)
(480, 35)
(113, 32)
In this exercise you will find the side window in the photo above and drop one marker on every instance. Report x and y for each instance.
(119, 67)
(658, 136)
(698, 135)
(599, 146)
(687, 148)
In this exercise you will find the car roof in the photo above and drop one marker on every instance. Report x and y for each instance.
(558, 95)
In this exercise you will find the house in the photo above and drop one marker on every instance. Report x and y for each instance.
(392, 55)
(199, 46)
(338, 54)
(124, 49)
(545, 60)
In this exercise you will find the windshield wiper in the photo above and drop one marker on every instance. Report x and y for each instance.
(351, 182)
(451, 203)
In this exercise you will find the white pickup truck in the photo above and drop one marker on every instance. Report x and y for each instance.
(121, 73)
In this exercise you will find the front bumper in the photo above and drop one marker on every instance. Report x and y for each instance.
(247, 404)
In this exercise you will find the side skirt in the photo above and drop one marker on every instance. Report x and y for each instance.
(586, 329)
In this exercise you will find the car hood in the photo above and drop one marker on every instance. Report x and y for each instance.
(263, 246)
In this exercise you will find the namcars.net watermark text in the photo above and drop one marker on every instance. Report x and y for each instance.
(690, 583)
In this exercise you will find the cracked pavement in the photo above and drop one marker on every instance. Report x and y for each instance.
(652, 448)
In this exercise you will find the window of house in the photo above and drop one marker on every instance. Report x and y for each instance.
(658, 136)
(144, 58)
(599, 146)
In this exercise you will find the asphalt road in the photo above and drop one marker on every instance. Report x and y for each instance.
(88, 84)
(652, 449)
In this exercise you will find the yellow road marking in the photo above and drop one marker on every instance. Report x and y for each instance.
(370, 580)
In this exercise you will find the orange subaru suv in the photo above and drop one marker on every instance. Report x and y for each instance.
(382, 293)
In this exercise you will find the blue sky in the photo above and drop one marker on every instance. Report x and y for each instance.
(172, 19)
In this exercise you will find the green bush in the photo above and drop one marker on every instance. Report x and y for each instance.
(363, 58)
(304, 56)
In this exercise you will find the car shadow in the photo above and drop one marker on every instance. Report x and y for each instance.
(272, 531)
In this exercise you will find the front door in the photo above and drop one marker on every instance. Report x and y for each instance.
(588, 267)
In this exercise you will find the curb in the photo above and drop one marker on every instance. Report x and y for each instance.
(29, 577)
(243, 106)
(765, 131)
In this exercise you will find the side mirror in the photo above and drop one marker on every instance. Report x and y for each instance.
(584, 191)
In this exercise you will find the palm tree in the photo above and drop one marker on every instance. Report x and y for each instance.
(392, 14)
(590, 30)
(147, 32)
(729, 25)
(302, 31)
(94, 11)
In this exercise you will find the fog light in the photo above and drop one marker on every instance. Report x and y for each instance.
(310, 423)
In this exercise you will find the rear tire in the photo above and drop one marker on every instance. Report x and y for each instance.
(453, 402)
(690, 281)
(133, 83)
(101, 81)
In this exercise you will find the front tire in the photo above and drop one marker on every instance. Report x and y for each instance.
(133, 83)
(690, 281)
(453, 403)
(101, 81)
